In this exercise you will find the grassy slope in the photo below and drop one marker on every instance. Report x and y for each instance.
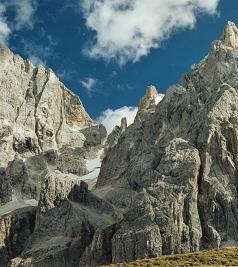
(221, 257)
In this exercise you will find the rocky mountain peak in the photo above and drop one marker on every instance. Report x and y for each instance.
(179, 162)
(149, 99)
(167, 183)
(123, 124)
(151, 92)
(41, 123)
(230, 35)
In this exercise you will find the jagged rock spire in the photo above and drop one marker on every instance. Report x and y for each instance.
(123, 124)
(230, 35)
(149, 99)
(151, 92)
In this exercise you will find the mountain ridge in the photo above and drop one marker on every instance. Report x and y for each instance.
(168, 182)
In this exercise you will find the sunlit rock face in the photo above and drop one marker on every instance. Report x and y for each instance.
(45, 132)
(167, 184)
(174, 171)
(230, 35)
(42, 123)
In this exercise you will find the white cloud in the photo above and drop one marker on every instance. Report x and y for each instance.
(89, 84)
(24, 13)
(65, 74)
(126, 30)
(5, 31)
(36, 60)
(110, 118)
(37, 53)
(23, 17)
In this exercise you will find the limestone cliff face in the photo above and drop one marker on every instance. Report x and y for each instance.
(167, 184)
(44, 132)
(39, 119)
(178, 164)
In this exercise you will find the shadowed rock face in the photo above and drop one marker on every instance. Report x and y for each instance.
(15, 229)
(168, 182)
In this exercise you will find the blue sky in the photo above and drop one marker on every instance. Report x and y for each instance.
(65, 37)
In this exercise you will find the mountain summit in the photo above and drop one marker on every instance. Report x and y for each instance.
(230, 35)
(168, 183)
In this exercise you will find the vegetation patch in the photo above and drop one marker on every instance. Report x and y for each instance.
(218, 257)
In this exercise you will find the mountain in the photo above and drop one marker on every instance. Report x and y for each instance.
(168, 182)
(44, 130)
(174, 171)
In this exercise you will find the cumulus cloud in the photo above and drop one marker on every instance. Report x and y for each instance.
(126, 30)
(37, 53)
(24, 13)
(110, 118)
(36, 60)
(5, 31)
(23, 17)
(89, 84)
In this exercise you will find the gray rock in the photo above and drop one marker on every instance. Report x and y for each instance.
(42, 123)
(113, 137)
(16, 225)
(68, 222)
(183, 154)
(46, 139)
(167, 184)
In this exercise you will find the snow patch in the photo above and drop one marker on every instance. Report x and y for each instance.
(92, 164)
(93, 167)
(90, 176)
(158, 98)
